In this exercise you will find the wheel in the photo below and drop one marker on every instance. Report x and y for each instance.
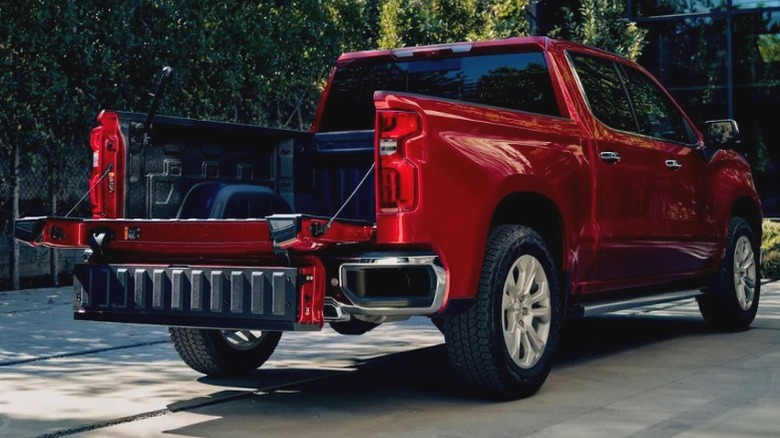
(223, 353)
(731, 302)
(353, 326)
(503, 345)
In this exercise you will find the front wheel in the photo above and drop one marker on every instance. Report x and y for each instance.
(731, 302)
(223, 353)
(504, 344)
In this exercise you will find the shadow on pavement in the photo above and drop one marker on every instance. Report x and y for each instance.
(591, 338)
(409, 382)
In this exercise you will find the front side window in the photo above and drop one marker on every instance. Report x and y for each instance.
(656, 114)
(604, 91)
(518, 81)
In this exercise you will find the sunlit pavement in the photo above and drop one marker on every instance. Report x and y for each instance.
(650, 372)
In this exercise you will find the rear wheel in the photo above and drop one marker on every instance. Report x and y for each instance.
(731, 302)
(223, 353)
(503, 345)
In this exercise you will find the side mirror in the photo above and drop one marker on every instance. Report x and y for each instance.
(722, 134)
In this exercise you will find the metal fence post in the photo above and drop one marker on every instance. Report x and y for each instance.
(14, 262)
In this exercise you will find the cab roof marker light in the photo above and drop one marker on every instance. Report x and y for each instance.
(403, 53)
(461, 48)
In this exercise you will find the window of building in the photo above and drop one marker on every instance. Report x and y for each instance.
(649, 8)
(753, 4)
(517, 81)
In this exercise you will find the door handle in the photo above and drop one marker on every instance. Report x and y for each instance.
(673, 164)
(610, 157)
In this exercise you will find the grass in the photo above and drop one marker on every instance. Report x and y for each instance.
(770, 249)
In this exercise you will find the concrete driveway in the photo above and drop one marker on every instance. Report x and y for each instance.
(651, 372)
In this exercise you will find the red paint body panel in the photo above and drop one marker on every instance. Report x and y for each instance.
(469, 159)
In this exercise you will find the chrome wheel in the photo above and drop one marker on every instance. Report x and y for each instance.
(243, 339)
(744, 272)
(526, 311)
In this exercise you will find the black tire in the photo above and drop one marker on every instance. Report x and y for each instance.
(352, 327)
(208, 351)
(731, 302)
(477, 345)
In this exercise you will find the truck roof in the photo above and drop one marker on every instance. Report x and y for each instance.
(542, 42)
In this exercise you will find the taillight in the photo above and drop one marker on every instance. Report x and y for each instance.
(397, 175)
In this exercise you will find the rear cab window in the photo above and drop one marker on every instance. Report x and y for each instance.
(515, 81)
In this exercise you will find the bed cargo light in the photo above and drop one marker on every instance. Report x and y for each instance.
(397, 176)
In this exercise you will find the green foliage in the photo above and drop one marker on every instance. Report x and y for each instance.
(248, 62)
(603, 24)
(770, 251)
(420, 22)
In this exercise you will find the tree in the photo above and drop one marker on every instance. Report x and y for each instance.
(603, 24)
(419, 22)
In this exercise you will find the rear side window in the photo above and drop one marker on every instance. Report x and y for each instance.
(604, 91)
(517, 81)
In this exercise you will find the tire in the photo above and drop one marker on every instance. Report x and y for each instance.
(731, 302)
(223, 353)
(491, 346)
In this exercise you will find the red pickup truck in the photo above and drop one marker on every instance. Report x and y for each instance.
(496, 187)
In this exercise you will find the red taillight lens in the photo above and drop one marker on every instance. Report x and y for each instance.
(397, 176)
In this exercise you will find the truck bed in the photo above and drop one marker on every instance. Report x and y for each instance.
(313, 173)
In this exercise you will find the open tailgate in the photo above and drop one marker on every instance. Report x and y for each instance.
(260, 273)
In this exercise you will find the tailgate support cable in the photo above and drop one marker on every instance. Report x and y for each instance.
(321, 230)
(108, 169)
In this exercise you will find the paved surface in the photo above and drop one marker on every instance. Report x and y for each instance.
(651, 372)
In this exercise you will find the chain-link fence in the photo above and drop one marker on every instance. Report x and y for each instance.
(46, 184)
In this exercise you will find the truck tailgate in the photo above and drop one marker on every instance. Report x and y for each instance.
(260, 273)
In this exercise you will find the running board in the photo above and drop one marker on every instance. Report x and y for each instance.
(597, 308)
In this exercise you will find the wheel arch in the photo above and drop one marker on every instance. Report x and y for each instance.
(748, 209)
(544, 217)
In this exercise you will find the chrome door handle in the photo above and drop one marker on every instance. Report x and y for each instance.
(610, 157)
(673, 164)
